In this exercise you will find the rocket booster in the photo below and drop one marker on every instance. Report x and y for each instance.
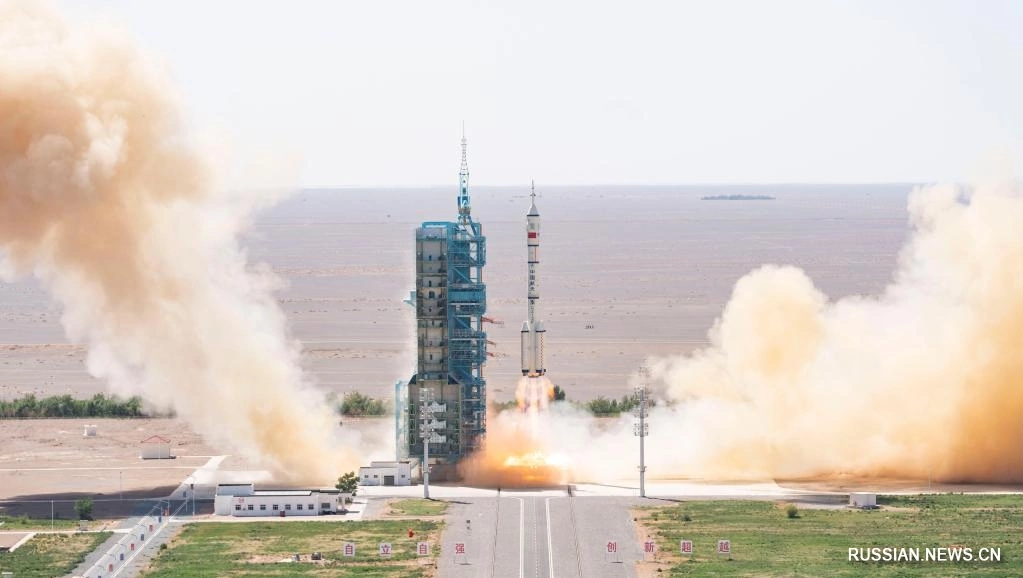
(532, 329)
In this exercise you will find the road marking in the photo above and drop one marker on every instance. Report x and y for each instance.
(550, 550)
(522, 537)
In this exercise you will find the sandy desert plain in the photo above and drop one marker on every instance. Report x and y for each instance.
(626, 273)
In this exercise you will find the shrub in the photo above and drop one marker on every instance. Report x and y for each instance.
(357, 404)
(84, 508)
(559, 394)
(792, 511)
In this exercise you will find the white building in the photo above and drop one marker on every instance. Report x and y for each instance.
(862, 500)
(155, 448)
(246, 500)
(387, 473)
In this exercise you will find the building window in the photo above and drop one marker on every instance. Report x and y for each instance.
(311, 507)
(325, 505)
(276, 507)
(375, 476)
(262, 506)
(237, 507)
(287, 506)
(251, 507)
(300, 506)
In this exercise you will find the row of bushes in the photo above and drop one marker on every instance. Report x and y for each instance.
(600, 407)
(353, 404)
(98, 405)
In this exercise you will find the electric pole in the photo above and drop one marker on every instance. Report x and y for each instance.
(641, 428)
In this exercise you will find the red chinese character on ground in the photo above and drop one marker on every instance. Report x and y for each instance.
(612, 547)
(424, 549)
(460, 548)
(649, 547)
(687, 546)
(724, 547)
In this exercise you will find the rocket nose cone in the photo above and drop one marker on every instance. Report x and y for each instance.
(525, 327)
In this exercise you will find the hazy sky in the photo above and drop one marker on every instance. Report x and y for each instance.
(579, 92)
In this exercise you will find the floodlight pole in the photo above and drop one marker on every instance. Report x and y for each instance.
(641, 429)
(425, 432)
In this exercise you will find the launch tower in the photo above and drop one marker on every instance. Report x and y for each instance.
(450, 300)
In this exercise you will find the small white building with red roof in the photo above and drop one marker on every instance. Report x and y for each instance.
(155, 448)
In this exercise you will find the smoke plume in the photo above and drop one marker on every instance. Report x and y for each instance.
(924, 379)
(103, 199)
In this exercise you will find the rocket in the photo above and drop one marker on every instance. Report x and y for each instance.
(532, 329)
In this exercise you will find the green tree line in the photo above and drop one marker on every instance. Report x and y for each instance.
(98, 405)
(599, 407)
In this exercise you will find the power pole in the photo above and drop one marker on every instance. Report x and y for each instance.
(427, 426)
(641, 428)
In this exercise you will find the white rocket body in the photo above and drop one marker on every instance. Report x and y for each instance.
(532, 329)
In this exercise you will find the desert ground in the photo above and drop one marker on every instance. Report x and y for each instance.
(625, 273)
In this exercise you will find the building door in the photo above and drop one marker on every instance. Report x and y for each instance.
(388, 480)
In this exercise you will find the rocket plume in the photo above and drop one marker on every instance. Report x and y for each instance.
(924, 379)
(521, 450)
(103, 200)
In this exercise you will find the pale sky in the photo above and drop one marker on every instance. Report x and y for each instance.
(369, 93)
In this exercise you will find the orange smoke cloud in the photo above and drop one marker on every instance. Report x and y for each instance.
(924, 379)
(104, 201)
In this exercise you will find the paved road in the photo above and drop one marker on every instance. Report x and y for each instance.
(539, 535)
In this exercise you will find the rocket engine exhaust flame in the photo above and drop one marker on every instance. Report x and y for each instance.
(518, 453)
(105, 203)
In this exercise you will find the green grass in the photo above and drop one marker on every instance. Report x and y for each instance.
(47, 555)
(418, 507)
(766, 542)
(18, 523)
(255, 549)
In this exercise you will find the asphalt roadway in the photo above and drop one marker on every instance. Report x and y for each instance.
(539, 535)
(564, 532)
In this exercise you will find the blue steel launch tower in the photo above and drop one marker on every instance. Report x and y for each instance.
(450, 300)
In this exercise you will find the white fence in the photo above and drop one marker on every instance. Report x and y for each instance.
(131, 544)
